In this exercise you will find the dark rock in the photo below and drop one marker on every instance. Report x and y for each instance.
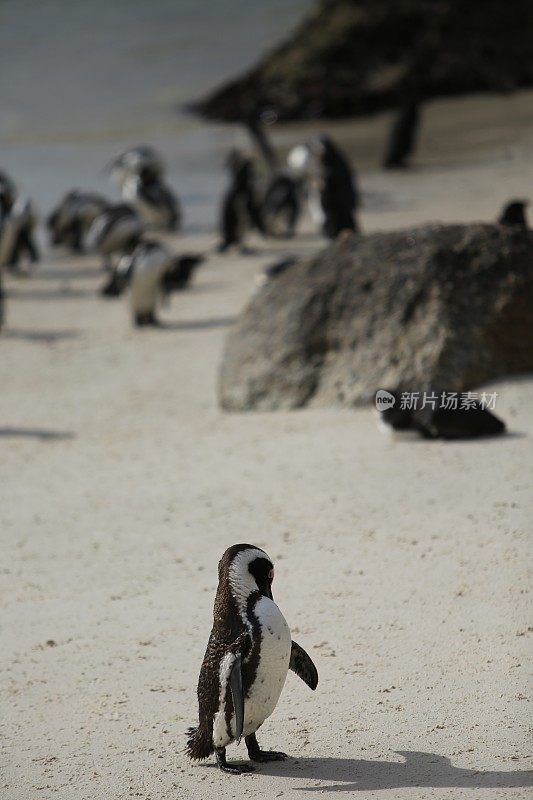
(443, 306)
(352, 57)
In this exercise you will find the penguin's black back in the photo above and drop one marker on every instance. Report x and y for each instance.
(228, 633)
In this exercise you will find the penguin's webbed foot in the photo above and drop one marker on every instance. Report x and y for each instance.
(262, 756)
(232, 769)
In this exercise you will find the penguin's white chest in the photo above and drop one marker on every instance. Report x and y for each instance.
(272, 668)
(146, 282)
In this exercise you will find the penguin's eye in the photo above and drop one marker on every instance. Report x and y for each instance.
(271, 575)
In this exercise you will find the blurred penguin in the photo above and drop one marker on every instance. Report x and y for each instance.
(240, 208)
(140, 174)
(338, 193)
(180, 272)
(17, 222)
(115, 231)
(281, 205)
(304, 166)
(70, 221)
(514, 214)
(403, 135)
(153, 199)
(439, 422)
(133, 160)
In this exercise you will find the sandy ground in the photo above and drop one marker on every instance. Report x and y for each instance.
(401, 567)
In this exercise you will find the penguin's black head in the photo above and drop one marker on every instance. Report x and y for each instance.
(247, 569)
(262, 570)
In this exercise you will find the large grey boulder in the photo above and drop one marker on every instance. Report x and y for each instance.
(442, 306)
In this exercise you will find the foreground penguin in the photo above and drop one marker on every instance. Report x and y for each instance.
(438, 422)
(246, 662)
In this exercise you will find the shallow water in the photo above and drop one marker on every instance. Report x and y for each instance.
(80, 81)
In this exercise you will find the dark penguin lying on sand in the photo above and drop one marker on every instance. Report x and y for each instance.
(240, 207)
(338, 193)
(246, 662)
(439, 422)
(514, 213)
(70, 221)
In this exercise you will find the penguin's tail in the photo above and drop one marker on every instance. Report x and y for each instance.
(199, 744)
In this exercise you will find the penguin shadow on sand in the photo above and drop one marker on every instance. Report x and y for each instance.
(426, 770)
(196, 324)
(41, 434)
(40, 337)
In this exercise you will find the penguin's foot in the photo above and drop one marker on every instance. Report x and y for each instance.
(148, 318)
(232, 769)
(262, 756)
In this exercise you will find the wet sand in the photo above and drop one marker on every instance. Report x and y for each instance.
(401, 567)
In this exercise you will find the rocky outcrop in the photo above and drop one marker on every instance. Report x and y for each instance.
(353, 57)
(445, 306)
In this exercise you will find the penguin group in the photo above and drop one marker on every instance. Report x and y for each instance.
(313, 179)
(125, 234)
(316, 177)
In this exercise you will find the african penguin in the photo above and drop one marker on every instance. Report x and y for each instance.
(153, 199)
(402, 137)
(246, 662)
(70, 221)
(514, 213)
(281, 206)
(17, 223)
(240, 208)
(145, 270)
(180, 271)
(338, 193)
(132, 160)
(439, 422)
(117, 230)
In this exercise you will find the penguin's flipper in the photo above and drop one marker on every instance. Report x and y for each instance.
(302, 665)
(237, 694)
